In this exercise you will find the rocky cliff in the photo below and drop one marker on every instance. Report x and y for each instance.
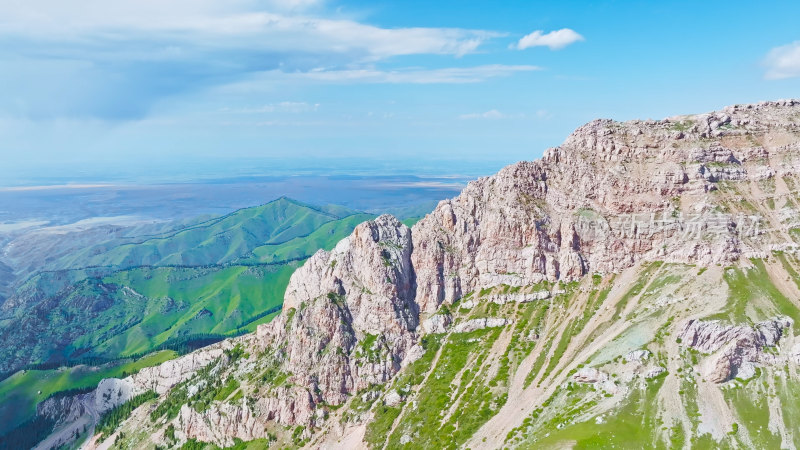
(612, 195)
(637, 284)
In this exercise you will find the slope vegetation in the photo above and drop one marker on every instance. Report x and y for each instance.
(95, 313)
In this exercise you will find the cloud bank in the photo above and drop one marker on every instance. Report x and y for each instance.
(118, 60)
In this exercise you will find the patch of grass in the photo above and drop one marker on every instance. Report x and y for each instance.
(379, 427)
(753, 413)
(753, 297)
(539, 362)
(110, 420)
(787, 266)
(434, 396)
(633, 424)
(682, 125)
(593, 304)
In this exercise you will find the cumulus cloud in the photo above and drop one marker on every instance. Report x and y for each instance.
(783, 62)
(555, 40)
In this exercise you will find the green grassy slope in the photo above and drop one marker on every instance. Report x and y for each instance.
(22, 391)
(108, 314)
(99, 314)
(215, 241)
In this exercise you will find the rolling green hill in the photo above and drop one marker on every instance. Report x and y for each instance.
(216, 241)
(217, 278)
(173, 291)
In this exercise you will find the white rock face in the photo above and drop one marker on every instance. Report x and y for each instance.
(638, 356)
(479, 324)
(393, 398)
(349, 319)
(654, 372)
(437, 323)
(736, 349)
(164, 376)
(112, 392)
(502, 299)
(590, 375)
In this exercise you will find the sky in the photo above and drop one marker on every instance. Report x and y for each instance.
(90, 88)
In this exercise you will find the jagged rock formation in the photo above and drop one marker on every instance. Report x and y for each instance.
(351, 317)
(738, 349)
(581, 286)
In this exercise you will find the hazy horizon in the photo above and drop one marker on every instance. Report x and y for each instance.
(185, 90)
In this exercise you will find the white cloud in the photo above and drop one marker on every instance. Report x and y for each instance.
(491, 114)
(783, 62)
(284, 27)
(555, 40)
(418, 75)
(282, 107)
(118, 59)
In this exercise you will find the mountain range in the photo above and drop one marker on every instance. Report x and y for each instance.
(117, 299)
(636, 287)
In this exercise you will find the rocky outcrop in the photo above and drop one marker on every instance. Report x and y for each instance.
(73, 414)
(654, 372)
(735, 350)
(349, 318)
(479, 324)
(166, 375)
(437, 323)
(638, 356)
(590, 375)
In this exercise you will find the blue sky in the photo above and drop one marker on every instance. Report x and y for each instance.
(92, 86)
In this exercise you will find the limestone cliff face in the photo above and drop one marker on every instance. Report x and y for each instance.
(612, 195)
(349, 321)
(349, 317)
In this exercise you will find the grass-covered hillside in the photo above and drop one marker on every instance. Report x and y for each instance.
(176, 291)
(220, 240)
(220, 277)
(21, 392)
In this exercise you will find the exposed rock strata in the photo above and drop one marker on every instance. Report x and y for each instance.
(600, 202)
(735, 350)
